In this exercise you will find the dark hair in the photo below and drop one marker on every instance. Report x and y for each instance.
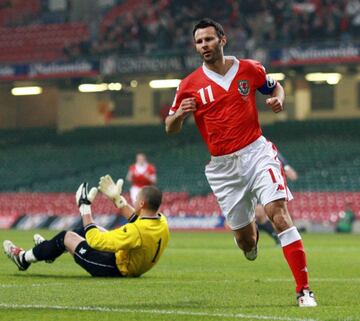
(207, 22)
(152, 197)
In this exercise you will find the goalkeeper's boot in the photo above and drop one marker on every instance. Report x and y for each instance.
(16, 254)
(252, 254)
(306, 299)
(38, 239)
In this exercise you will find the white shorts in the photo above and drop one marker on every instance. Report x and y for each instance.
(252, 175)
(134, 191)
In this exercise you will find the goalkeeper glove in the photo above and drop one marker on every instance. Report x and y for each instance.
(112, 190)
(84, 198)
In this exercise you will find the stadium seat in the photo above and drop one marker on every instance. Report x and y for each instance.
(31, 164)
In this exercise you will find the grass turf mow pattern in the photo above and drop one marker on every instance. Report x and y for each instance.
(202, 276)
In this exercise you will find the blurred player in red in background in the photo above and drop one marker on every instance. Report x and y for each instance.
(262, 220)
(244, 169)
(140, 174)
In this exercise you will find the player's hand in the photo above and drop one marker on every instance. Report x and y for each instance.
(112, 190)
(290, 173)
(84, 198)
(275, 104)
(187, 106)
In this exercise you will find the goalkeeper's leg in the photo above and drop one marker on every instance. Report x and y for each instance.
(48, 250)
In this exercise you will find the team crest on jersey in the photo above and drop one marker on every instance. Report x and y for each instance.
(244, 88)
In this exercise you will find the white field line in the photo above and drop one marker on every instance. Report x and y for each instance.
(4, 286)
(150, 311)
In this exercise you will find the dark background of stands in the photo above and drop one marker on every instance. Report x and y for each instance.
(36, 30)
(326, 153)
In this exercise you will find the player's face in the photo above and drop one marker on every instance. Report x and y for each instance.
(140, 158)
(209, 45)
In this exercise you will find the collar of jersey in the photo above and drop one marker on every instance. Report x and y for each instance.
(150, 217)
(226, 80)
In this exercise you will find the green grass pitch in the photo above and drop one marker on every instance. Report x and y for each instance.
(202, 276)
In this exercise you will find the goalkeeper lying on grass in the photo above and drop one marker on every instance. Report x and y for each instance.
(128, 251)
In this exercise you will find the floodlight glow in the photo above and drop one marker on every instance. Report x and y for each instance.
(25, 91)
(92, 88)
(330, 78)
(133, 83)
(164, 83)
(277, 76)
(333, 79)
(114, 86)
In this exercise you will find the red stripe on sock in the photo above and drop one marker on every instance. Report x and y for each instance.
(295, 256)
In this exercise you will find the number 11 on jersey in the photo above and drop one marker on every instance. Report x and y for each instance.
(209, 94)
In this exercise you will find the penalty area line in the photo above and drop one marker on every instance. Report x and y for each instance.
(150, 311)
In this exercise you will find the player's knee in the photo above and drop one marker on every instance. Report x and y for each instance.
(245, 243)
(72, 240)
(278, 213)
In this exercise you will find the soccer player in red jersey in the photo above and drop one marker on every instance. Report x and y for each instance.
(140, 174)
(244, 169)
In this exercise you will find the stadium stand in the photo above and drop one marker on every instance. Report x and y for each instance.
(324, 152)
(40, 42)
(40, 169)
(30, 31)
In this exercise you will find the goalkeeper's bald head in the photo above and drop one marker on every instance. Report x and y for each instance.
(152, 197)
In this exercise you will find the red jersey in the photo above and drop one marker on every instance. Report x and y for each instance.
(140, 174)
(226, 113)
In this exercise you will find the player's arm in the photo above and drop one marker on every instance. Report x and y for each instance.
(276, 100)
(129, 175)
(151, 176)
(290, 172)
(174, 122)
(84, 198)
(124, 238)
(268, 86)
(113, 192)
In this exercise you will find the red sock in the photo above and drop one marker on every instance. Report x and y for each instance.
(294, 253)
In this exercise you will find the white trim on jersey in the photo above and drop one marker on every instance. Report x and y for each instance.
(226, 80)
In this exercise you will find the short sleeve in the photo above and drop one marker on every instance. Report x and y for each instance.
(263, 82)
(258, 72)
(176, 103)
(184, 90)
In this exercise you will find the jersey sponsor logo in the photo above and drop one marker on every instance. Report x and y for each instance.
(244, 88)
(270, 83)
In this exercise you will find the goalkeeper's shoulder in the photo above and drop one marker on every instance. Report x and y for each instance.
(163, 218)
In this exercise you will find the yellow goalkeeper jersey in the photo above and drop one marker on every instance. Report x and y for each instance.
(137, 245)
